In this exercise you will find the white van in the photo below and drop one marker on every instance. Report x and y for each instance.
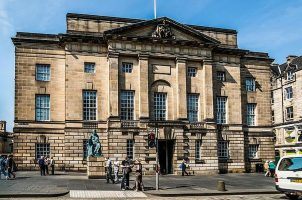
(288, 176)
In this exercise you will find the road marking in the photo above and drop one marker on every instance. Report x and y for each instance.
(105, 194)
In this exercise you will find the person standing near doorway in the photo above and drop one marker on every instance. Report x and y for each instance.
(116, 169)
(109, 170)
(52, 165)
(41, 163)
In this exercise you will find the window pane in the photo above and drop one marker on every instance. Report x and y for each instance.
(89, 67)
(127, 105)
(127, 67)
(42, 72)
(192, 71)
(253, 149)
(42, 149)
(251, 114)
(223, 151)
(250, 84)
(89, 105)
(221, 110)
(130, 147)
(160, 106)
(221, 76)
(192, 107)
(42, 107)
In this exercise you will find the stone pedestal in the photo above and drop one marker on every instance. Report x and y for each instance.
(96, 167)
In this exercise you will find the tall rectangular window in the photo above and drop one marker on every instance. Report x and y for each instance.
(191, 72)
(89, 105)
(42, 72)
(220, 76)
(85, 152)
(127, 67)
(289, 92)
(42, 107)
(251, 107)
(197, 149)
(289, 76)
(127, 105)
(289, 113)
(221, 110)
(130, 149)
(160, 106)
(250, 84)
(253, 151)
(89, 67)
(223, 149)
(42, 149)
(192, 107)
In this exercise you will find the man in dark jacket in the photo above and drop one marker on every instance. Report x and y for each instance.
(11, 166)
(41, 164)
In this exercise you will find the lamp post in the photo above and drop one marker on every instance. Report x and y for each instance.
(157, 161)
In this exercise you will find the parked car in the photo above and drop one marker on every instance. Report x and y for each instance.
(288, 176)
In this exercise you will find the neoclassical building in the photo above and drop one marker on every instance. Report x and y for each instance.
(286, 106)
(208, 99)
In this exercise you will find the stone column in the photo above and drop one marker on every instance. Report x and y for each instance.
(208, 90)
(181, 76)
(143, 87)
(113, 93)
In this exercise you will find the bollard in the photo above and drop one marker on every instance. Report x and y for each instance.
(221, 186)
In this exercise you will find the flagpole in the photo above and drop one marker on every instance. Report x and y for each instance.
(154, 9)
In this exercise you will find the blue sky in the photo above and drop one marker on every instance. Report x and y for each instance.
(273, 26)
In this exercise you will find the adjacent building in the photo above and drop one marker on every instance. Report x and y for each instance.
(208, 100)
(286, 106)
(6, 140)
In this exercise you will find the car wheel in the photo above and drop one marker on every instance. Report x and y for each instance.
(292, 196)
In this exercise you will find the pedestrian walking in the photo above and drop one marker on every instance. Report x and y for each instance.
(116, 166)
(272, 168)
(266, 169)
(47, 163)
(11, 167)
(109, 170)
(52, 165)
(126, 167)
(3, 166)
(183, 167)
(139, 175)
(41, 163)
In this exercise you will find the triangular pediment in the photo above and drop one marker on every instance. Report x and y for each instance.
(162, 28)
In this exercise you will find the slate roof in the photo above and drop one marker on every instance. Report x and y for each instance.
(295, 64)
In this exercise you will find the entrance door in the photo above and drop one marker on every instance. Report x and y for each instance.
(165, 154)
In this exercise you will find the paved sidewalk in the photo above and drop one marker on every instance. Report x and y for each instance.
(30, 184)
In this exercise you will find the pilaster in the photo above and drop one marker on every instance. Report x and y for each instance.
(181, 75)
(113, 105)
(208, 90)
(143, 86)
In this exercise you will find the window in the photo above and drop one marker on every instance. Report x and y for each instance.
(221, 110)
(42, 149)
(127, 105)
(192, 107)
(85, 152)
(160, 106)
(253, 151)
(291, 164)
(89, 67)
(197, 149)
(223, 150)
(191, 71)
(89, 105)
(130, 149)
(290, 76)
(250, 84)
(42, 108)
(251, 114)
(289, 112)
(220, 76)
(127, 67)
(289, 92)
(42, 72)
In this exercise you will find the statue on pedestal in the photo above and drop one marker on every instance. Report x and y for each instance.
(94, 145)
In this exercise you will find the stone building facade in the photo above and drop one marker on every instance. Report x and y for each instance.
(208, 100)
(286, 106)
